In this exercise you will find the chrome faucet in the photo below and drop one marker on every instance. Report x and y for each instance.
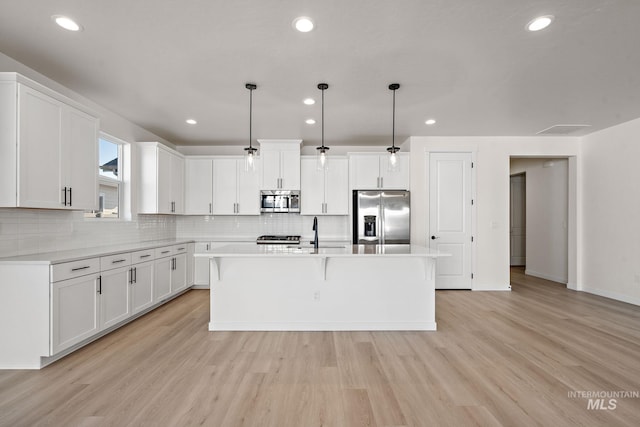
(315, 229)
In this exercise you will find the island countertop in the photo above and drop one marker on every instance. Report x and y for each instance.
(323, 251)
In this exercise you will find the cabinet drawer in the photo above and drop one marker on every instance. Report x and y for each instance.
(164, 252)
(180, 249)
(142, 256)
(115, 261)
(69, 270)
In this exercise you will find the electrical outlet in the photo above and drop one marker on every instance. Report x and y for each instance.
(316, 295)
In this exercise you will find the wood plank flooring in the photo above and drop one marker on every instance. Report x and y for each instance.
(498, 358)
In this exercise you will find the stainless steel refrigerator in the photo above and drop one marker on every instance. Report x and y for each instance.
(381, 217)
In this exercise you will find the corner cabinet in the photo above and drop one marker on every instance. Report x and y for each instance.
(48, 148)
(324, 192)
(161, 180)
(370, 171)
(220, 186)
(280, 164)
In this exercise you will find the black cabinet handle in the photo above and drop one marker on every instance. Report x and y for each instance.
(135, 274)
(100, 285)
(70, 196)
(80, 268)
(145, 256)
(65, 195)
(434, 237)
(118, 261)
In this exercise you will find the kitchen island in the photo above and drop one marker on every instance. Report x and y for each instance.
(332, 288)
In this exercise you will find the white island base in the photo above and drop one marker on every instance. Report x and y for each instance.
(355, 288)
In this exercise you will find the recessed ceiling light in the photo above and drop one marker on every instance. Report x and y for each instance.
(303, 24)
(310, 122)
(66, 23)
(430, 122)
(540, 23)
(191, 121)
(309, 101)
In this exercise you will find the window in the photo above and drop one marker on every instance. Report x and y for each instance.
(110, 177)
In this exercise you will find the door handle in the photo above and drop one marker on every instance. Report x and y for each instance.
(434, 237)
(70, 196)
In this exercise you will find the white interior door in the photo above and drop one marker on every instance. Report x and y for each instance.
(517, 213)
(450, 217)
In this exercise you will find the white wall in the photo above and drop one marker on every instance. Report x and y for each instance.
(611, 212)
(491, 263)
(547, 215)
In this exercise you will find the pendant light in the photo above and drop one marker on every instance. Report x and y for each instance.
(321, 162)
(250, 152)
(393, 157)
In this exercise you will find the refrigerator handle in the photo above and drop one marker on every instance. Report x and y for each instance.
(381, 225)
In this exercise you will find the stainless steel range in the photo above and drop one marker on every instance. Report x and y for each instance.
(276, 240)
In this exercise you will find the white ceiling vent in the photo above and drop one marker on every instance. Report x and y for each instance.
(562, 129)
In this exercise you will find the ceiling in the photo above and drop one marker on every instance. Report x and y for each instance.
(469, 64)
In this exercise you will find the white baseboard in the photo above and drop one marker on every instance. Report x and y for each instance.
(322, 326)
(613, 295)
(545, 276)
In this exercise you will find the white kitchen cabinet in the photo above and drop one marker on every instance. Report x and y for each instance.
(199, 186)
(324, 192)
(280, 164)
(179, 271)
(48, 148)
(235, 191)
(114, 296)
(74, 311)
(370, 171)
(190, 264)
(161, 180)
(201, 265)
(142, 286)
(162, 276)
(221, 186)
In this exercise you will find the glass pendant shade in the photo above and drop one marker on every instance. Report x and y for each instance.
(322, 151)
(250, 152)
(394, 161)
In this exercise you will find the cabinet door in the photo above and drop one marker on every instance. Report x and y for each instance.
(337, 187)
(74, 311)
(201, 265)
(162, 279)
(290, 169)
(177, 184)
(199, 187)
(179, 273)
(164, 185)
(224, 186)
(365, 171)
(142, 287)
(249, 188)
(40, 144)
(270, 169)
(114, 297)
(79, 158)
(398, 180)
(312, 187)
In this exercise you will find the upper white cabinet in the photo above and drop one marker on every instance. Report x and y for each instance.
(221, 186)
(370, 171)
(48, 148)
(280, 164)
(161, 180)
(324, 192)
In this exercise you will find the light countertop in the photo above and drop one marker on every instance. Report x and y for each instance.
(325, 250)
(79, 254)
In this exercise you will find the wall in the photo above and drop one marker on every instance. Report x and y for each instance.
(611, 212)
(547, 213)
(492, 154)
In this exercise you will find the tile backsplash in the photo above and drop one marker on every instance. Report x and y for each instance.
(28, 231)
(250, 227)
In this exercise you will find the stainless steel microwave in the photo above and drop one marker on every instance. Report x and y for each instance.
(279, 201)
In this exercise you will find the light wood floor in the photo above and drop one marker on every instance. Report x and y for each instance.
(498, 358)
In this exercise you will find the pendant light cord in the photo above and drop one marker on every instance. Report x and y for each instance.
(323, 118)
(250, 114)
(393, 122)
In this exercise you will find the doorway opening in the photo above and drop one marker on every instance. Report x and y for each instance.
(539, 217)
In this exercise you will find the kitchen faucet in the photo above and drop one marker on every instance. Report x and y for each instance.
(315, 229)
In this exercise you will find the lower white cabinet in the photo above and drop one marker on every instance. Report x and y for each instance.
(162, 279)
(179, 273)
(142, 286)
(74, 311)
(114, 296)
(170, 271)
